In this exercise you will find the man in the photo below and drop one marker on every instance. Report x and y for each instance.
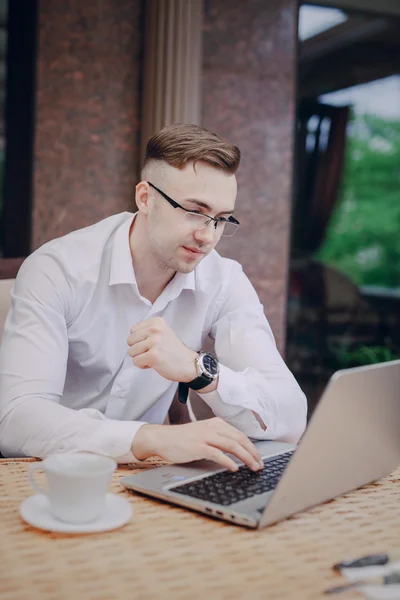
(106, 322)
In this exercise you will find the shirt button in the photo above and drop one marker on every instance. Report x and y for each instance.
(120, 394)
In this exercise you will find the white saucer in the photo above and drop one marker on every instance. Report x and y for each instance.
(35, 510)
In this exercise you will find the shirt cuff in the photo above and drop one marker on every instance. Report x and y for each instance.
(229, 402)
(231, 390)
(114, 438)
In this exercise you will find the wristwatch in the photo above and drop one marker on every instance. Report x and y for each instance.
(207, 371)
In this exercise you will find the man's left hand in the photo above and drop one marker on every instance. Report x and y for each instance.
(154, 345)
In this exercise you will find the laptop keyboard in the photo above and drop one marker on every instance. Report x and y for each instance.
(228, 487)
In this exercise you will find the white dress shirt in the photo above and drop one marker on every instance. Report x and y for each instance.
(67, 382)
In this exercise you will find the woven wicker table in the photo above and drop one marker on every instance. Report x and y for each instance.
(169, 553)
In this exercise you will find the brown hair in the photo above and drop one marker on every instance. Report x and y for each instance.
(179, 144)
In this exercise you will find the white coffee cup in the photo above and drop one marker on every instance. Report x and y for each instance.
(77, 485)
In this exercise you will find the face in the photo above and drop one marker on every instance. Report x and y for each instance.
(174, 243)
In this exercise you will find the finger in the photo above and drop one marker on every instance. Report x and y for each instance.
(138, 336)
(143, 361)
(222, 459)
(139, 326)
(139, 348)
(228, 445)
(242, 439)
(155, 324)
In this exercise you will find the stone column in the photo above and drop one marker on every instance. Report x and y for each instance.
(172, 65)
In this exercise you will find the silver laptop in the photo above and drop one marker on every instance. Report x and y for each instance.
(353, 438)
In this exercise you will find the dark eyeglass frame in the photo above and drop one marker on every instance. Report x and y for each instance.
(176, 205)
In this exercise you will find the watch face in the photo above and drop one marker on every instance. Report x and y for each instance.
(210, 364)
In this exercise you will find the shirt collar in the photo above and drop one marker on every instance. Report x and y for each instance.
(182, 281)
(121, 267)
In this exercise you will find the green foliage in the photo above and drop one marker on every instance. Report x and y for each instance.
(363, 238)
(346, 357)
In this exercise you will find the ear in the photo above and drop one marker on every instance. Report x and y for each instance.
(142, 197)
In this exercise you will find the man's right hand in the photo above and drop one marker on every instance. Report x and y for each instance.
(208, 439)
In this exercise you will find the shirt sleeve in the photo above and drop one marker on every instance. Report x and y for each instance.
(33, 362)
(253, 375)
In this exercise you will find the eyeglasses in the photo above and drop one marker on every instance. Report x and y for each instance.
(225, 227)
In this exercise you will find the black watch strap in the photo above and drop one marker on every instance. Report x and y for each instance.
(200, 382)
(196, 384)
(183, 390)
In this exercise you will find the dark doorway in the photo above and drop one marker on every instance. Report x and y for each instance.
(19, 34)
(344, 284)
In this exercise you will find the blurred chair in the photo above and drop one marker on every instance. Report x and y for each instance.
(349, 318)
(326, 317)
(326, 307)
(331, 305)
(5, 300)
